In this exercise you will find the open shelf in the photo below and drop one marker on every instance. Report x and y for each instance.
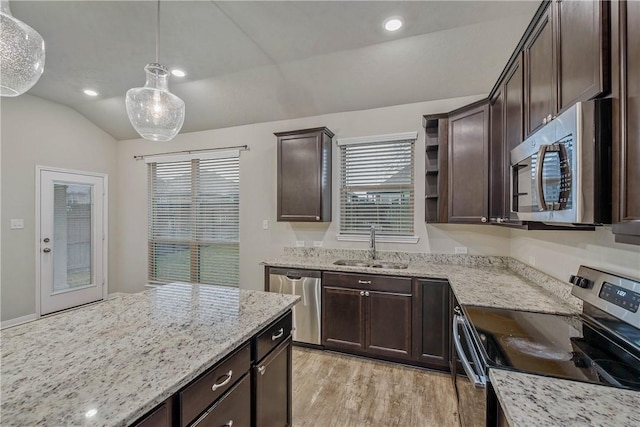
(436, 129)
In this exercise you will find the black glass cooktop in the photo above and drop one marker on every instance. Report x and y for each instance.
(553, 345)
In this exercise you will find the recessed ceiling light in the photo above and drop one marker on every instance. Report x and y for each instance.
(178, 73)
(393, 24)
(90, 92)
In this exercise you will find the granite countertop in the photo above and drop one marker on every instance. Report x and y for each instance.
(529, 400)
(110, 363)
(488, 281)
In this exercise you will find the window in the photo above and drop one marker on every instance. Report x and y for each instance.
(194, 220)
(376, 185)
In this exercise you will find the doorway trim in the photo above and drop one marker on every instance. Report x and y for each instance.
(105, 229)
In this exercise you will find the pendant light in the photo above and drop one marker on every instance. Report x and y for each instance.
(21, 54)
(155, 113)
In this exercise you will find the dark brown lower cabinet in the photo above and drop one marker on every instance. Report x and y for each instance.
(272, 388)
(343, 314)
(431, 323)
(161, 416)
(367, 315)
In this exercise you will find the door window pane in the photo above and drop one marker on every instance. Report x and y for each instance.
(71, 236)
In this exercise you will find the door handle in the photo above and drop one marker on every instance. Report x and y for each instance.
(46, 250)
(542, 204)
(46, 240)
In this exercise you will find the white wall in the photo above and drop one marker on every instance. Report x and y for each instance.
(258, 192)
(38, 132)
(560, 253)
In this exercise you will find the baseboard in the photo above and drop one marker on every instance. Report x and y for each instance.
(18, 321)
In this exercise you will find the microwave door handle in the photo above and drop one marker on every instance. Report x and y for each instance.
(542, 204)
(478, 380)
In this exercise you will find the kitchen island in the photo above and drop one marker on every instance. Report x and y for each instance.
(110, 363)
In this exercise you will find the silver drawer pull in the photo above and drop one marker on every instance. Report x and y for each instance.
(228, 424)
(364, 282)
(261, 369)
(277, 335)
(223, 383)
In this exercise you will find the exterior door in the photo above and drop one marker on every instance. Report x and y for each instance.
(71, 239)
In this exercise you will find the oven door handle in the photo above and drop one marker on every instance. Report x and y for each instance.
(479, 379)
(542, 203)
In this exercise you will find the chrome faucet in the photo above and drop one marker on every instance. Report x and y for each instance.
(372, 242)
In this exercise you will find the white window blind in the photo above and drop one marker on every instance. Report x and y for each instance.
(194, 221)
(376, 187)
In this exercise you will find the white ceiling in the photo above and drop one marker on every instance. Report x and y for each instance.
(259, 61)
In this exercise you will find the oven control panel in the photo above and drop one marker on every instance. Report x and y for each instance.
(621, 297)
(614, 294)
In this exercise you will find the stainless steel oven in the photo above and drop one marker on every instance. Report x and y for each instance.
(601, 345)
(560, 174)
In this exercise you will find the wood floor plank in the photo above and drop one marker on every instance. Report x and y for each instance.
(331, 389)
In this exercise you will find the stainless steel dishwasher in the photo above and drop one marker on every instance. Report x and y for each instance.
(306, 313)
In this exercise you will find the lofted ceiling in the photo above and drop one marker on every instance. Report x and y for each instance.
(256, 61)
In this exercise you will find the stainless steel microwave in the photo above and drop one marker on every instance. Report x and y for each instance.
(562, 172)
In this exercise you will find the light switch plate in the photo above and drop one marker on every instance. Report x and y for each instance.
(265, 224)
(17, 224)
(299, 243)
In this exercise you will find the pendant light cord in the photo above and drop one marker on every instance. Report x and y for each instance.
(158, 35)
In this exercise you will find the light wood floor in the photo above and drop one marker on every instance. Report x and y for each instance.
(331, 389)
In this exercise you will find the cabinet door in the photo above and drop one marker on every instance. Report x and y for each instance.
(158, 417)
(304, 175)
(431, 323)
(539, 74)
(513, 106)
(342, 318)
(582, 63)
(497, 171)
(388, 328)
(627, 169)
(469, 165)
(272, 382)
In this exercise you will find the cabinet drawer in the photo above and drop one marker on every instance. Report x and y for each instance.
(198, 396)
(268, 339)
(234, 409)
(369, 282)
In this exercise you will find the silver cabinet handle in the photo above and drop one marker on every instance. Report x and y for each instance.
(544, 121)
(46, 250)
(261, 369)
(364, 282)
(228, 424)
(483, 219)
(361, 293)
(317, 218)
(224, 382)
(366, 294)
(277, 335)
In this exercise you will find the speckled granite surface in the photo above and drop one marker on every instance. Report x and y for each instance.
(110, 363)
(532, 400)
(476, 280)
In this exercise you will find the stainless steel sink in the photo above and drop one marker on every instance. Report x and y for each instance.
(371, 264)
(393, 265)
(353, 263)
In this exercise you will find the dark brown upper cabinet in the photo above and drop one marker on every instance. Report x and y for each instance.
(506, 115)
(469, 164)
(304, 175)
(565, 59)
(540, 77)
(583, 50)
(626, 123)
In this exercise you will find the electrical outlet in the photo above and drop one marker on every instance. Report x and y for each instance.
(461, 250)
(532, 261)
(17, 224)
(265, 224)
(299, 243)
(317, 243)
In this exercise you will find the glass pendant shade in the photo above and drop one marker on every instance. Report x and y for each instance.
(155, 113)
(21, 54)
